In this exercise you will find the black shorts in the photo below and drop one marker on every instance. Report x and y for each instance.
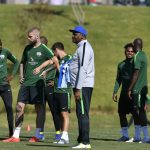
(125, 105)
(62, 102)
(138, 101)
(4, 88)
(31, 95)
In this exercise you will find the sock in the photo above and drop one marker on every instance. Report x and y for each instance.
(57, 132)
(17, 132)
(125, 131)
(37, 132)
(137, 132)
(65, 135)
(145, 133)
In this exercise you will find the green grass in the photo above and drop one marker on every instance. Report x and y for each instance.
(109, 28)
(103, 134)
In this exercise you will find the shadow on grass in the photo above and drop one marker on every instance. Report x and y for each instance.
(103, 139)
(50, 145)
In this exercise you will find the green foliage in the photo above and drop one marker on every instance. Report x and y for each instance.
(109, 29)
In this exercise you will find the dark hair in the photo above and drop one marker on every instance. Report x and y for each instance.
(128, 45)
(58, 45)
(138, 43)
(44, 40)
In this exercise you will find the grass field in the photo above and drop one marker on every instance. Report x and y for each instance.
(104, 132)
(109, 28)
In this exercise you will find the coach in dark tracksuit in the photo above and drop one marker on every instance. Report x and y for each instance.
(5, 88)
(82, 79)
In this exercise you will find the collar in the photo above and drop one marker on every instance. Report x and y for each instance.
(81, 43)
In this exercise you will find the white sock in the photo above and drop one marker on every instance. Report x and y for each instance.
(17, 132)
(37, 132)
(65, 135)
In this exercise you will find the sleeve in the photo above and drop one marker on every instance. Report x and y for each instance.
(14, 60)
(137, 62)
(118, 80)
(48, 52)
(83, 65)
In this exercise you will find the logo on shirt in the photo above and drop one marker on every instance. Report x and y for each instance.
(2, 56)
(31, 59)
(38, 54)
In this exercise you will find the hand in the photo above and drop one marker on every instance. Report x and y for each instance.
(114, 97)
(43, 74)
(50, 83)
(146, 107)
(36, 70)
(21, 80)
(129, 94)
(77, 94)
(9, 78)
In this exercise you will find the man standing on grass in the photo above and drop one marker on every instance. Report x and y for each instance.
(124, 74)
(49, 97)
(32, 87)
(82, 72)
(138, 90)
(5, 89)
(62, 88)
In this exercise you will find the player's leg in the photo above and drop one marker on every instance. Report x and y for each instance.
(23, 96)
(7, 98)
(49, 94)
(143, 119)
(135, 113)
(82, 109)
(37, 97)
(123, 110)
(63, 99)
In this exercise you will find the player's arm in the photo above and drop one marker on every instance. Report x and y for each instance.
(56, 63)
(133, 81)
(117, 85)
(44, 73)
(43, 65)
(14, 60)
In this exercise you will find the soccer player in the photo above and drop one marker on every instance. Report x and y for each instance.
(49, 97)
(61, 94)
(5, 88)
(124, 74)
(32, 87)
(138, 90)
(82, 72)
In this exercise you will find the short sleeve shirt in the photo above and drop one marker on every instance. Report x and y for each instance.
(4, 55)
(140, 63)
(32, 58)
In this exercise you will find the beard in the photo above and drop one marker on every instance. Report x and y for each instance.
(32, 42)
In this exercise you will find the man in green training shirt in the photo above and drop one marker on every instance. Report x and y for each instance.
(138, 90)
(124, 74)
(5, 89)
(62, 92)
(32, 88)
(49, 97)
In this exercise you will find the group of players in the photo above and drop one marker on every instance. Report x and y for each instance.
(132, 75)
(50, 75)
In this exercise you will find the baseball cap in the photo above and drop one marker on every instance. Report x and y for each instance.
(79, 29)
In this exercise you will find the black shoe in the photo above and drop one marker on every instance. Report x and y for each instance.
(123, 139)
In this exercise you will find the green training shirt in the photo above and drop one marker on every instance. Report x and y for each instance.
(4, 55)
(32, 58)
(50, 75)
(124, 74)
(140, 63)
(62, 90)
